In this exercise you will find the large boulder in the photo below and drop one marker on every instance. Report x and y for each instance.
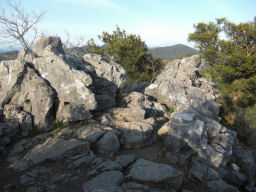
(147, 171)
(212, 141)
(16, 122)
(135, 134)
(178, 86)
(11, 75)
(105, 182)
(108, 76)
(109, 70)
(137, 100)
(37, 98)
(56, 148)
(27, 89)
(75, 98)
(48, 46)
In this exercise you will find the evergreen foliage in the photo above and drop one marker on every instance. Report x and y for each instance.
(129, 51)
(234, 65)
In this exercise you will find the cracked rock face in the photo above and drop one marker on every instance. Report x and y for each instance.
(53, 149)
(180, 86)
(48, 85)
(107, 69)
(142, 146)
(25, 88)
(71, 85)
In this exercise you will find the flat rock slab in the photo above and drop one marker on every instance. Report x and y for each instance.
(90, 133)
(147, 171)
(54, 148)
(108, 182)
(135, 134)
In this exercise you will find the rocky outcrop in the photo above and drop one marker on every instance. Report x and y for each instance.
(108, 76)
(55, 148)
(109, 70)
(180, 86)
(164, 136)
(48, 85)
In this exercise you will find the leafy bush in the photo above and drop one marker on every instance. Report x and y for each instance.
(233, 62)
(130, 52)
(170, 109)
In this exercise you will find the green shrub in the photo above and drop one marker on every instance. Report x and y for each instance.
(170, 109)
(233, 62)
(130, 52)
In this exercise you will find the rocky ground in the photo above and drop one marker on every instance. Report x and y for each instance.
(61, 128)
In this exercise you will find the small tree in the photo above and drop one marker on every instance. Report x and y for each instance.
(234, 67)
(91, 47)
(17, 26)
(129, 51)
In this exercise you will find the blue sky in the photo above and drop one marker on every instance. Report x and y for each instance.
(158, 22)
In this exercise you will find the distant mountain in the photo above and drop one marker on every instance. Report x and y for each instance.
(8, 49)
(4, 56)
(170, 52)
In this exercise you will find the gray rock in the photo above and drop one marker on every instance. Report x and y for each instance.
(135, 134)
(137, 87)
(62, 177)
(27, 89)
(97, 161)
(92, 173)
(128, 114)
(221, 186)
(107, 119)
(71, 85)
(125, 160)
(209, 139)
(107, 69)
(203, 172)
(153, 109)
(4, 141)
(25, 180)
(19, 165)
(132, 186)
(245, 160)
(146, 171)
(3, 153)
(109, 165)
(109, 143)
(17, 148)
(171, 93)
(172, 157)
(107, 181)
(52, 188)
(105, 92)
(84, 160)
(11, 130)
(90, 133)
(177, 86)
(48, 46)
(34, 189)
(37, 98)
(234, 177)
(177, 135)
(14, 114)
(54, 148)
(183, 117)
(14, 71)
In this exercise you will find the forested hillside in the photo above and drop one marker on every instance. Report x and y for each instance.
(171, 52)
